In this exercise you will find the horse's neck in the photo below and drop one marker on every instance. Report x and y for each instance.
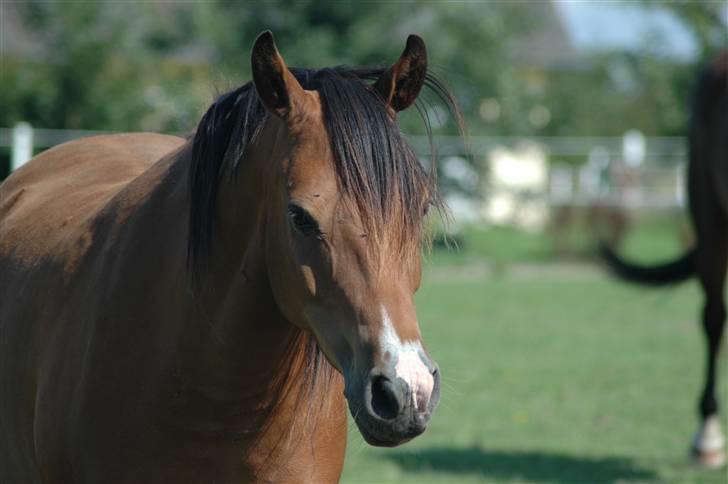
(246, 338)
(242, 365)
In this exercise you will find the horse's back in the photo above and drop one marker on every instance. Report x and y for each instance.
(49, 197)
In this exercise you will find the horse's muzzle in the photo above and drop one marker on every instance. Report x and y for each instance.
(390, 411)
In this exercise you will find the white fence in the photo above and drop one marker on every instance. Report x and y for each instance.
(24, 140)
(627, 172)
(580, 170)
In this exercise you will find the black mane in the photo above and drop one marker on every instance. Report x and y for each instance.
(377, 170)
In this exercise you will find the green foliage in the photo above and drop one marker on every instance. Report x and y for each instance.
(703, 20)
(97, 68)
(157, 65)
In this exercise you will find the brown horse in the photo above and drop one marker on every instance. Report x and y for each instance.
(202, 310)
(708, 195)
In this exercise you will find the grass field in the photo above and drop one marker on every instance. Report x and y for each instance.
(552, 372)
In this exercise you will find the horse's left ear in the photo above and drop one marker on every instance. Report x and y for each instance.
(400, 84)
(279, 91)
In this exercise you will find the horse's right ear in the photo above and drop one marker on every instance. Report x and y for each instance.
(277, 88)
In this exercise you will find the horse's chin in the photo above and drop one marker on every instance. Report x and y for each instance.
(378, 440)
(383, 434)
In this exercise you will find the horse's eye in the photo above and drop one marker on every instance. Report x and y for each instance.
(302, 221)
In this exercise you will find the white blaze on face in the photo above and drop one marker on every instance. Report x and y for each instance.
(410, 366)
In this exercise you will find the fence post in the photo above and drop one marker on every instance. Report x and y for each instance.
(680, 184)
(22, 145)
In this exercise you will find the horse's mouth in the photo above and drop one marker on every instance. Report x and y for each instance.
(378, 441)
(385, 434)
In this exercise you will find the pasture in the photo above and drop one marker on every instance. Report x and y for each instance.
(552, 372)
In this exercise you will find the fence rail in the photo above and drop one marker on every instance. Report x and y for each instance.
(664, 149)
(660, 179)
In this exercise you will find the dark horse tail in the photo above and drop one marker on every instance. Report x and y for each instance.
(678, 270)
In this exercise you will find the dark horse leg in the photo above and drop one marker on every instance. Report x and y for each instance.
(708, 191)
(709, 444)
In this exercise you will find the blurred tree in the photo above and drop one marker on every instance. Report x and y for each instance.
(705, 19)
(156, 65)
(94, 69)
(74, 77)
(122, 66)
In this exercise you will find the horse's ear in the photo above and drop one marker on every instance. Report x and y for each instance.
(400, 84)
(277, 88)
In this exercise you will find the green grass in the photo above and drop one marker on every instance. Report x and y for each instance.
(499, 245)
(552, 373)
(649, 239)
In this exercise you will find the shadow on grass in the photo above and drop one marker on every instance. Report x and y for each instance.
(498, 465)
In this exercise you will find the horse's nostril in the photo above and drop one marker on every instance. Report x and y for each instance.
(384, 398)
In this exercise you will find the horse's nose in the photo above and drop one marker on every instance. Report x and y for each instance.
(409, 400)
(388, 397)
